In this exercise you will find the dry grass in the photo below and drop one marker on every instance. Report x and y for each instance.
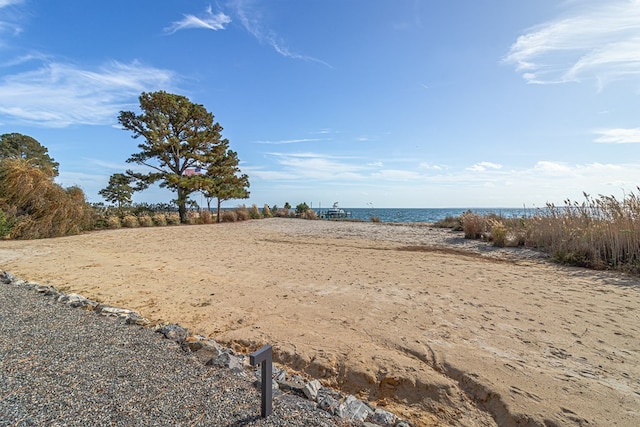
(599, 233)
(242, 213)
(130, 221)
(229, 216)
(254, 212)
(36, 207)
(145, 221)
(159, 219)
(473, 225)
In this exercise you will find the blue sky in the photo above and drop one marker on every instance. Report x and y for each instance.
(403, 103)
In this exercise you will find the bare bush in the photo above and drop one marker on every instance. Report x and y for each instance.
(229, 216)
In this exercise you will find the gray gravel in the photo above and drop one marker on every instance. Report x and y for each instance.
(62, 366)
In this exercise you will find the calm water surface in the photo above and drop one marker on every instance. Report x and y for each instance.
(428, 215)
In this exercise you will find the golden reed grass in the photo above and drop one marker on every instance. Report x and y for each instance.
(599, 233)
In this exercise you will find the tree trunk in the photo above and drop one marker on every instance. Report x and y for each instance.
(182, 205)
(218, 214)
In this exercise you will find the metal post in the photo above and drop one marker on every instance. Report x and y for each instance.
(264, 356)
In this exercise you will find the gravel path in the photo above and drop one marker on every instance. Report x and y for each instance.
(62, 366)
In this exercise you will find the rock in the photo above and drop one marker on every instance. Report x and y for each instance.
(403, 424)
(136, 319)
(174, 332)
(227, 360)
(328, 400)
(112, 311)
(193, 343)
(311, 389)
(281, 375)
(75, 300)
(47, 290)
(294, 384)
(7, 278)
(382, 417)
(352, 409)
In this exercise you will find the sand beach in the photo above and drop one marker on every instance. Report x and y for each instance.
(417, 320)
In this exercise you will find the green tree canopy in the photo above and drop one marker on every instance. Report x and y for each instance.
(302, 208)
(119, 190)
(19, 146)
(177, 135)
(223, 179)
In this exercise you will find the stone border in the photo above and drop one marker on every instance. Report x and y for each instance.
(210, 353)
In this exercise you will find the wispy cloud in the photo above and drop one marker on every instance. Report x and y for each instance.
(250, 20)
(618, 136)
(5, 3)
(209, 20)
(430, 166)
(596, 38)
(9, 21)
(59, 95)
(483, 166)
(319, 166)
(290, 141)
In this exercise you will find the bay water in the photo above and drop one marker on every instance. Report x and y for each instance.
(428, 215)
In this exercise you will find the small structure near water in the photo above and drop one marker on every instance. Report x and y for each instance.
(335, 212)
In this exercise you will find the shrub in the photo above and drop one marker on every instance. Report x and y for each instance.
(130, 221)
(254, 212)
(242, 214)
(302, 208)
(229, 216)
(452, 222)
(266, 211)
(145, 221)
(473, 225)
(173, 219)
(159, 219)
(36, 207)
(310, 214)
(206, 217)
(498, 232)
(375, 219)
(5, 225)
(193, 217)
(113, 222)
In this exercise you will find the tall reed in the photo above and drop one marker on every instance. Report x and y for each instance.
(599, 233)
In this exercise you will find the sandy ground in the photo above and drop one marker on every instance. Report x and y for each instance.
(435, 328)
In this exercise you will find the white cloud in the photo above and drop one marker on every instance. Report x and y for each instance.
(430, 166)
(483, 166)
(319, 166)
(208, 21)
(618, 136)
(599, 39)
(59, 95)
(553, 168)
